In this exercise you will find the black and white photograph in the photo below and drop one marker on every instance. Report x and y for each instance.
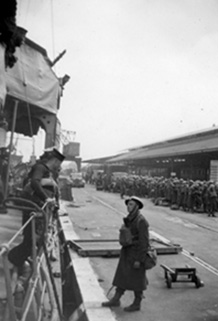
(108, 160)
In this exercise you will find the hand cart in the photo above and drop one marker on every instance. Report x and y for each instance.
(172, 274)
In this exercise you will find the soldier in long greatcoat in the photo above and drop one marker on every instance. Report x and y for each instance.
(130, 273)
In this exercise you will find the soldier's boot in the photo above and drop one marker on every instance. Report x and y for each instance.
(136, 305)
(115, 300)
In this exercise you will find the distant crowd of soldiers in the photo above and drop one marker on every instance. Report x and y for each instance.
(188, 195)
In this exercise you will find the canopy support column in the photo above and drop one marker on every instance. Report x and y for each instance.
(10, 146)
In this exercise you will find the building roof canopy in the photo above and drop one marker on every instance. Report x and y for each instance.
(199, 143)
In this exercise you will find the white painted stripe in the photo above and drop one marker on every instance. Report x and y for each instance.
(201, 262)
(67, 226)
(188, 254)
(109, 206)
(92, 293)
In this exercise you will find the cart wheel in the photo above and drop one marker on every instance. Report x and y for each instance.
(197, 282)
(169, 282)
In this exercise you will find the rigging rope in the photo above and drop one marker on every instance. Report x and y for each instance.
(52, 30)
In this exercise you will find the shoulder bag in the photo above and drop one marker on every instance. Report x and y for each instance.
(151, 258)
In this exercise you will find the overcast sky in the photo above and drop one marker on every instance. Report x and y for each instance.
(141, 70)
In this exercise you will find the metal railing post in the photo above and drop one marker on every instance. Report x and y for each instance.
(10, 298)
(34, 254)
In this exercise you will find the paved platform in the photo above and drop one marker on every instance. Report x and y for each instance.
(98, 215)
(91, 292)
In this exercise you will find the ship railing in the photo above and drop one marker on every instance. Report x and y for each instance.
(41, 281)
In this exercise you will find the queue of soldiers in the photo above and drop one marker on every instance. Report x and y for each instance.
(188, 195)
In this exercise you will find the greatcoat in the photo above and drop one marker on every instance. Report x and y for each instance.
(126, 276)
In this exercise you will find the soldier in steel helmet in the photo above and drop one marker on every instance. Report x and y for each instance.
(130, 273)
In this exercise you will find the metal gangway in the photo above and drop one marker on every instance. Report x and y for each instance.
(33, 297)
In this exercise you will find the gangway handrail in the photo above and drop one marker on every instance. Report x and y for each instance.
(4, 248)
(33, 205)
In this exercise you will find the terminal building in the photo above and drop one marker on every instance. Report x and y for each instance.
(192, 156)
